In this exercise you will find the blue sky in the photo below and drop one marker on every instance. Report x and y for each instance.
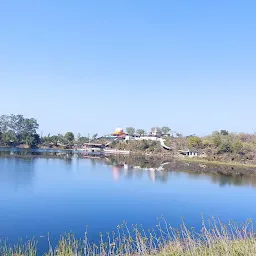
(91, 66)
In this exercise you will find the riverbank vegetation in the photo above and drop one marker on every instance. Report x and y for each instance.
(220, 146)
(214, 238)
(19, 131)
(16, 130)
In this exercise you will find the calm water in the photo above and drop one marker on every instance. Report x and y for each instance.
(39, 195)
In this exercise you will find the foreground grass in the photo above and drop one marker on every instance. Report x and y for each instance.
(214, 238)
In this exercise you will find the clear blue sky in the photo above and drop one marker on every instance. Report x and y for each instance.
(91, 66)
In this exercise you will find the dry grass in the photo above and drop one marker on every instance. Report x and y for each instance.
(214, 238)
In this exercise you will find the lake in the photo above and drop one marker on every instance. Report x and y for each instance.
(41, 195)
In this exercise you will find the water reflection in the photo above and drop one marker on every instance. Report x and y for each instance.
(156, 169)
(69, 192)
(16, 172)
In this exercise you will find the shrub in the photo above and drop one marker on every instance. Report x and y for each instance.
(224, 147)
(194, 142)
(237, 146)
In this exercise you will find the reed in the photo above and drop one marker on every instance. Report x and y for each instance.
(214, 238)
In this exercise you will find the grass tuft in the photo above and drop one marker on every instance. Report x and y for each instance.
(214, 238)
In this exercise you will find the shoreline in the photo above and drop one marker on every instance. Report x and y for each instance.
(176, 163)
(138, 153)
(196, 166)
(205, 161)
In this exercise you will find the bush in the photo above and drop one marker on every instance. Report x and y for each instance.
(224, 147)
(206, 143)
(194, 142)
(216, 139)
(237, 146)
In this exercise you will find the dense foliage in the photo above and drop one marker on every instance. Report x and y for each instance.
(16, 129)
(68, 140)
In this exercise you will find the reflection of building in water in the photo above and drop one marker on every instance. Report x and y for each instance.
(152, 175)
(115, 172)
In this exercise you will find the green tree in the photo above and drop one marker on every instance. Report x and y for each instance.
(141, 132)
(9, 138)
(69, 137)
(237, 146)
(130, 131)
(216, 138)
(194, 142)
(224, 147)
(83, 140)
(166, 130)
(17, 129)
(224, 132)
(54, 140)
(31, 140)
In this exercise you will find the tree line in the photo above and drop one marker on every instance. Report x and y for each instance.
(165, 130)
(17, 129)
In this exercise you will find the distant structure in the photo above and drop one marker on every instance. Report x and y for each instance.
(119, 131)
(117, 134)
(188, 153)
(155, 132)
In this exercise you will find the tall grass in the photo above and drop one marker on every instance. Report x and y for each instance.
(214, 238)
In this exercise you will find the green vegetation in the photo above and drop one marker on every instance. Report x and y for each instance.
(16, 130)
(64, 141)
(166, 130)
(214, 238)
(130, 131)
(141, 132)
(222, 146)
(194, 142)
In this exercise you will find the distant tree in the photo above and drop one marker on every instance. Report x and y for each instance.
(17, 129)
(83, 140)
(31, 139)
(62, 139)
(156, 131)
(130, 131)
(94, 136)
(224, 132)
(54, 140)
(224, 147)
(166, 130)
(216, 138)
(141, 132)
(237, 146)
(69, 137)
(178, 134)
(9, 138)
(4, 123)
(194, 142)
(78, 136)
